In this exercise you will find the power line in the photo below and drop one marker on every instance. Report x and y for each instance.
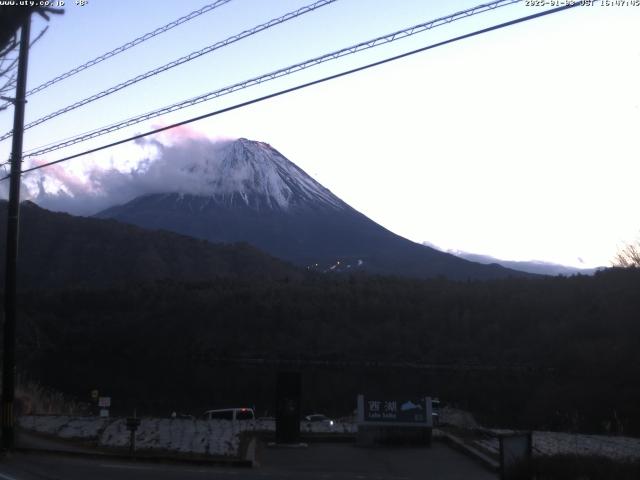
(179, 61)
(391, 37)
(126, 46)
(304, 85)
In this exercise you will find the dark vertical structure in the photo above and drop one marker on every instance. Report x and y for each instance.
(288, 394)
(13, 213)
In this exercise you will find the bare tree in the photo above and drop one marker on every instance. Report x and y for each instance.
(11, 18)
(8, 67)
(628, 256)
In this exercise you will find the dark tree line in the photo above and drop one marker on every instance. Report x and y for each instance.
(544, 353)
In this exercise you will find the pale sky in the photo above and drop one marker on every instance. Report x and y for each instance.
(520, 143)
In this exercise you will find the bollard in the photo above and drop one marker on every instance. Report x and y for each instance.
(132, 425)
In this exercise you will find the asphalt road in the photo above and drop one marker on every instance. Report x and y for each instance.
(317, 462)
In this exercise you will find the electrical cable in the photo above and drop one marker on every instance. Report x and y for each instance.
(187, 58)
(305, 85)
(391, 37)
(126, 46)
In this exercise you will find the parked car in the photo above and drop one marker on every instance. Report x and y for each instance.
(318, 417)
(242, 413)
(183, 416)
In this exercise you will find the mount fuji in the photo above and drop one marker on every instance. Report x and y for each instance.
(250, 192)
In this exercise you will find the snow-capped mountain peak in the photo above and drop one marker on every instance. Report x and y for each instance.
(257, 175)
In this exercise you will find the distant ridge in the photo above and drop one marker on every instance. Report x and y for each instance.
(58, 250)
(248, 191)
(532, 266)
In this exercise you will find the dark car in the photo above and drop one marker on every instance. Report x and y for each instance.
(319, 418)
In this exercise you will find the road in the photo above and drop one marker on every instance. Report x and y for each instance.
(317, 462)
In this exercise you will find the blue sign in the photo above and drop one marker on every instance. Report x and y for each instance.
(398, 411)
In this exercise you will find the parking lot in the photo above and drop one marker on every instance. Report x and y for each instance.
(315, 462)
(330, 460)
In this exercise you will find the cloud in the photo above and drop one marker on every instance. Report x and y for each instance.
(174, 162)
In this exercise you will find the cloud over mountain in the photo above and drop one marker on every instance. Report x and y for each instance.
(174, 166)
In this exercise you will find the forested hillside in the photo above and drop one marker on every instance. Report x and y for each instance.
(544, 353)
(58, 250)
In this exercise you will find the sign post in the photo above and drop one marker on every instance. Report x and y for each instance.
(103, 404)
(288, 393)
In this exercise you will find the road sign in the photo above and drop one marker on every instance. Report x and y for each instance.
(104, 402)
(397, 411)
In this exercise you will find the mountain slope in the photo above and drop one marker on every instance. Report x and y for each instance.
(60, 250)
(250, 192)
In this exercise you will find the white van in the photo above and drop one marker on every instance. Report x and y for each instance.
(229, 414)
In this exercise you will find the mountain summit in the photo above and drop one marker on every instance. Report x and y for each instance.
(248, 191)
(255, 175)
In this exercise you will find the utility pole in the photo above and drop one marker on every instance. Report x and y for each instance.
(13, 212)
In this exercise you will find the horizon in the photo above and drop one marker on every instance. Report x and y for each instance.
(510, 144)
(171, 168)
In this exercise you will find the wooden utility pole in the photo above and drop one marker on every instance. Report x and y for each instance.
(13, 213)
